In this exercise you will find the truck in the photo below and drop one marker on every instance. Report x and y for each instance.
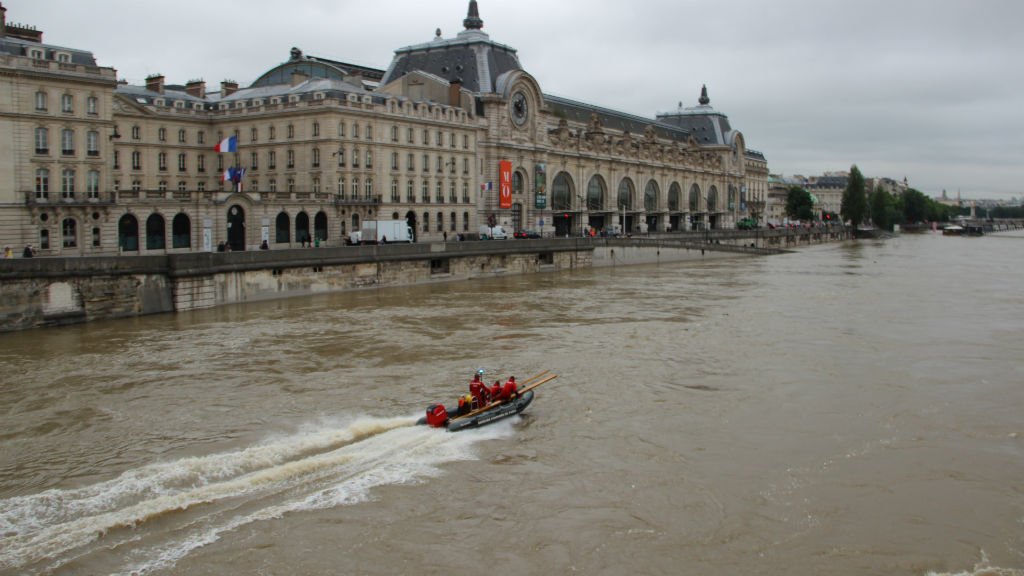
(492, 233)
(381, 231)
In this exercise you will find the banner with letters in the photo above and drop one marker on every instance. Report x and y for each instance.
(504, 184)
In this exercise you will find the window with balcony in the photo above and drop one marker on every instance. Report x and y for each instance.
(201, 163)
(394, 161)
(341, 187)
(355, 158)
(67, 184)
(369, 188)
(369, 158)
(42, 184)
(182, 162)
(272, 160)
(395, 197)
(410, 192)
(254, 161)
(161, 161)
(92, 143)
(92, 185)
(341, 157)
(425, 192)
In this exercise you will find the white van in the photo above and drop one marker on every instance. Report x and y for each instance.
(495, 233)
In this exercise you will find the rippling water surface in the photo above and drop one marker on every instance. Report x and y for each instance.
(848, 409)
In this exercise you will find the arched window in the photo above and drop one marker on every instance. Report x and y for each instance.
(595, 193)
(712, 199)
(355, 223)
(452, 221)
(320, 226)
(626, 194)
(732, 197)
(651, 196)
(694, 198)
(302, 227)
(181, 231)
(440, 221)
(561, 192)
(69, 233)
(155, 232)
(465, 221)
(282, 226)
(426, 221)
(128, 233)
(673, 197)
(518, 181)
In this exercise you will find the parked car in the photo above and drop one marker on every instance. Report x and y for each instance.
(526, 234)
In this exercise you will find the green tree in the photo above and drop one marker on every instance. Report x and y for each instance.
(883, 208)
(854, 208)
(799, 205)
(915, 206)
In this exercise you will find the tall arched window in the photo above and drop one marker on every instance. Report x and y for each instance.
(626, 194)
(128, 233)
(712, 199)
(181, 231)
(595, 193)
(561, 192)
(320, 226)
(282, 226)
(518, 182)
(302, 227)
(651, 196)
(673, 197)
(155, 232)
(694, 198)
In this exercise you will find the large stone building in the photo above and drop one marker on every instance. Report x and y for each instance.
(92, 166)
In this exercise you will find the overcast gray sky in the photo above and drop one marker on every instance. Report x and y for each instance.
(930, 90)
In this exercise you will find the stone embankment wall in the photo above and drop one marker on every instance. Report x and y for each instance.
(37, 292)
(40, 292)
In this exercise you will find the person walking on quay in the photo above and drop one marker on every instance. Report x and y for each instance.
(8, 253)
(28, 252)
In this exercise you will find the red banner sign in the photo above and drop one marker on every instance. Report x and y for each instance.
(504, 184)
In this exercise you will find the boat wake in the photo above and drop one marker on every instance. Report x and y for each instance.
(151, 517)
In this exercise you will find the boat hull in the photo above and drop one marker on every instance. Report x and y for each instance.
(499, 412)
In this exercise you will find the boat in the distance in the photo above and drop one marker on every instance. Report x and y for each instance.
(440, 416)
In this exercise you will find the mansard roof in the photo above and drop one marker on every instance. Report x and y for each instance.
(584, 113)
(471, 58)
(19, 47)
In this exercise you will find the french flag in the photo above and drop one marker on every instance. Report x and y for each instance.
(229, 144)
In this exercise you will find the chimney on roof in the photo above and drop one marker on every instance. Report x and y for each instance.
(298, 77)
(155, 83)
(455, 92)
(227, 88)
(196, 88)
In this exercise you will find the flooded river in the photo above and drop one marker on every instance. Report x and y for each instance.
(849, 409)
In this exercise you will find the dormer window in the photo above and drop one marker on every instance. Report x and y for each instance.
(36, 54)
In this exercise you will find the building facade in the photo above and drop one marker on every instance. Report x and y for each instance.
(453, 135)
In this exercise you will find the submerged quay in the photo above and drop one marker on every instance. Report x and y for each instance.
(42, 292)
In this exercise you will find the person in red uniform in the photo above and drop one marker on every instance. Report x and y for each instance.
(509, 390)
(496, 391)
(481, 396)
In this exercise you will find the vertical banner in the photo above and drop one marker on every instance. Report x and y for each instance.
(504, 184)
(540, 186)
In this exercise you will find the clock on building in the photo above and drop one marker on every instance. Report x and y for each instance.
(520, 108)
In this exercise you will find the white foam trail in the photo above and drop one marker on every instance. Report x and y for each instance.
(321, 469)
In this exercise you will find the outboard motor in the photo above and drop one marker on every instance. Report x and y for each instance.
(437, 415)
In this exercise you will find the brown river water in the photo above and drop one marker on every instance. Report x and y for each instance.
(848, 409)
